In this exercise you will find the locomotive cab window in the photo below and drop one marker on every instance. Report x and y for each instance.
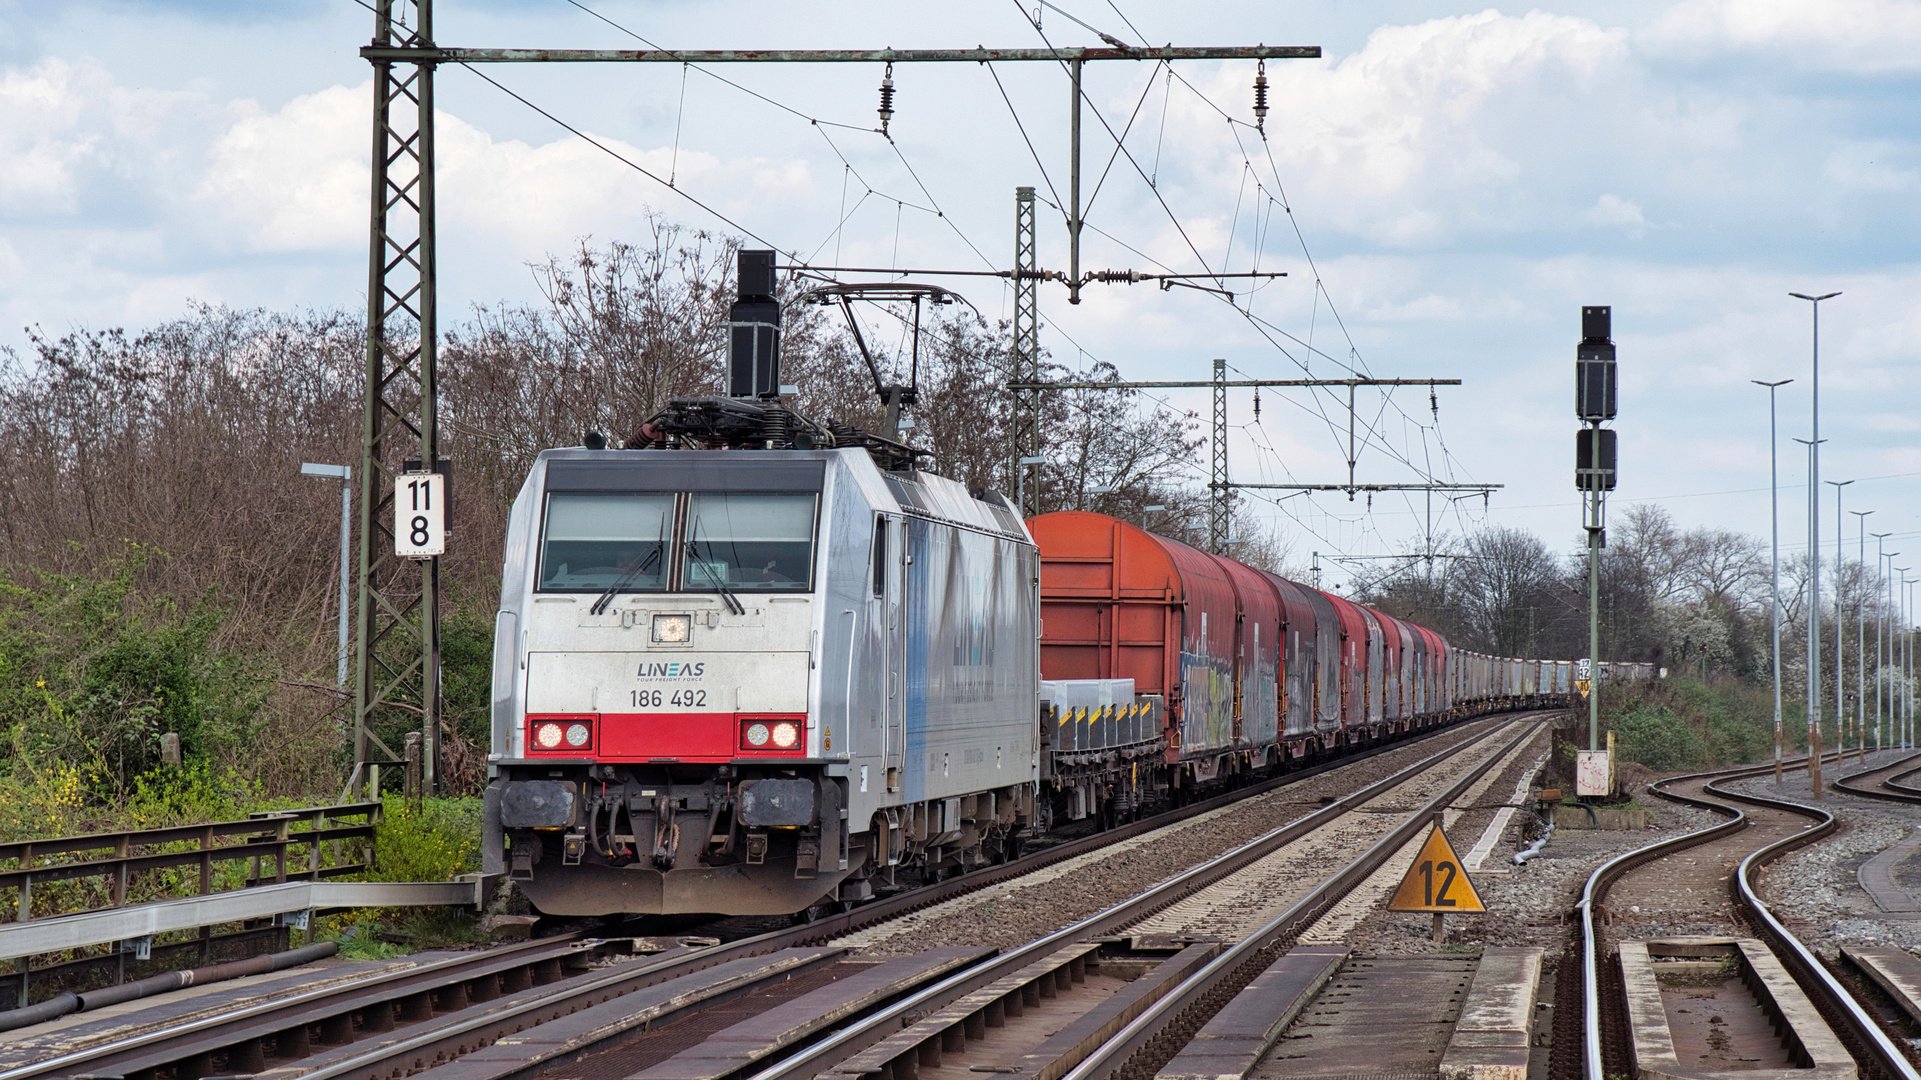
(748, 542)
(597, 541)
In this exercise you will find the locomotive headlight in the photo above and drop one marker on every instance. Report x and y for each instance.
(548, 736)
(673, 629)
(786, 734)
(578, 734)
(756, 735)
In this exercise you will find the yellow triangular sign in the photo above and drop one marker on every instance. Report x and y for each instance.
(1436, 882)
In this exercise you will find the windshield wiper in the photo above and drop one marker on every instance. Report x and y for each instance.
(627, 578)
(693, 556)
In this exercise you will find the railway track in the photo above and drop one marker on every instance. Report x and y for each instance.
(409, 1021)
(1137, 1028)
(1885, 782)
(1696, 994)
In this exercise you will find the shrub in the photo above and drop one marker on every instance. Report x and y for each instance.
(436, 840)
(1658, 738)
(93, 671)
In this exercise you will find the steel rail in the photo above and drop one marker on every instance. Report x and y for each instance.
(1817, 980)
(333, 999)
(1888, 788)
(1115, 1054)
(855, 1038)
(1807, 968)
(814, 932)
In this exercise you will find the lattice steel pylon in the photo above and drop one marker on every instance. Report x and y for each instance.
(1027, 356)
(398, 611)
(1220, 494)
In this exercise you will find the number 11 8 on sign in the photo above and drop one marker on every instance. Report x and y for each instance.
(420, 515)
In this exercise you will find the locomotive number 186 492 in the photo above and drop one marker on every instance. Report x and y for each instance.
(661, 699)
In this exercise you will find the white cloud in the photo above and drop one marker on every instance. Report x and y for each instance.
(295, 179)
(41, 141)
(1859, 36)
(1879, 166)
(1614, 210)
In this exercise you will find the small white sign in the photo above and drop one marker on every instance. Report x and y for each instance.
(1591, 772)
(420, 515)
(1582, 667)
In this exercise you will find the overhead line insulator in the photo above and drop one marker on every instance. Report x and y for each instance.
(1260, 98)
(886, 98)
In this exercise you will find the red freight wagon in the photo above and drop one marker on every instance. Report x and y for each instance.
(1374, 673)
(1259, 663)
(1353, 664)
(1297, 661)
(1118, 602)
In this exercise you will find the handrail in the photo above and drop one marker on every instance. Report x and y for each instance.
(267, 835)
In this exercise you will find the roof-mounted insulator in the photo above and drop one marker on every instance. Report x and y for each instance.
(1260, 99)
(886, 98)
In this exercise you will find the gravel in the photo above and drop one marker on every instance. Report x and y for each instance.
(1016, 912)
(1815, 891)
(1526, 905)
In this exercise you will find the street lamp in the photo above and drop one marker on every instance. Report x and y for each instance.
(1840, 613)
(1907, 652)
(1774, 488)
(1880, 621)
(344, 474)
(1814, 624)
(1020, 478)
(1860, 643)
(1157, 508)
(1814, 548)
(1898, 706)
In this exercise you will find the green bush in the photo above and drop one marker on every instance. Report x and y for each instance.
(436, 840)
(1680, 723)
(93, 671)
(1656, 737)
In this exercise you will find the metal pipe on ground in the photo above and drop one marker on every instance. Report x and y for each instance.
(63, 1004)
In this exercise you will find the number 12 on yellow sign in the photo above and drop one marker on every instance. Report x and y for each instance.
(1436, 882)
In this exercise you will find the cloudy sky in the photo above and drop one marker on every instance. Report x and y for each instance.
(1458, 181)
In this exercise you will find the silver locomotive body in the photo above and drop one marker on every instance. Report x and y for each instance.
(749, 682)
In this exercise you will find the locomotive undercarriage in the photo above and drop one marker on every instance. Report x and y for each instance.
(670, 839)
(586, 839)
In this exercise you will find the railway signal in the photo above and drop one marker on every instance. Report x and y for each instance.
(1594, 466)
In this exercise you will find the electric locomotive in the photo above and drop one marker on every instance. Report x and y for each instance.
(760, 674)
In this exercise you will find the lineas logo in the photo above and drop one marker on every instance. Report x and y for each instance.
(673, 669)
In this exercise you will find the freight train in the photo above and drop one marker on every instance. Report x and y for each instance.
(753, 665)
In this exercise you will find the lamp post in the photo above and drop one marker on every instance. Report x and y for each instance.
(1814, 624)
(1156, 508)
(344, 474)
(1774, 515)
(1880, 635)
(1814, 549)
(1898, 657)
(1840, 613)
(1908, 656)
(1020, 485)
(1860, 641)
(1898, 641)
